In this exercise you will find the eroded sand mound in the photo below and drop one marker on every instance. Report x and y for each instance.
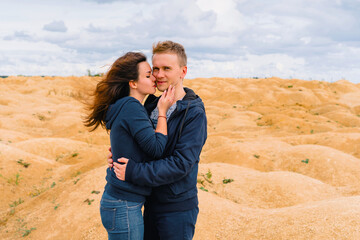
(282, 160)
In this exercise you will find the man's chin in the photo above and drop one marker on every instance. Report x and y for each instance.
(161, 89)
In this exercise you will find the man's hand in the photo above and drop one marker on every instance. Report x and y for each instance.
(120, 169)
(110, 160)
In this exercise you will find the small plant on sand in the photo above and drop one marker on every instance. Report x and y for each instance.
(16, 203)
(74, 154)
(227, 180)
(75, 182)
(23, 228)
(59, 157)
(256, 156)
(305, 161)
(204, 189)
(209, 174)
(95, 192)
(53, 185)
(89, 201)
(200, 181)
(37, 191)
(312, 131)
(76, 174)
(56, 206)
(25, 164)
(41, 117)
(15, 180)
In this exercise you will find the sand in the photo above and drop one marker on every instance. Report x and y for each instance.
(282, 159)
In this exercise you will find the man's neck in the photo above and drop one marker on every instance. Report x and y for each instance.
(179, 92)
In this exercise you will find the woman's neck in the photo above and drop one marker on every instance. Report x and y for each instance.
(137, 96)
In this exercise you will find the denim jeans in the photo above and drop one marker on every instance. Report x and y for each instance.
(121, 219)
(170, 226)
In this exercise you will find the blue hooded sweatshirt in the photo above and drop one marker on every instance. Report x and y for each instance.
(132, 136)
(174, 176)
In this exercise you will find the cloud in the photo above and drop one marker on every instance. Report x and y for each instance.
(304, 39)
(19, 35)
(91, 28)
(55, 26)
(113, 1)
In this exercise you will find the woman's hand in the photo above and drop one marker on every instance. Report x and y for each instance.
(109, 159)
(166, 100)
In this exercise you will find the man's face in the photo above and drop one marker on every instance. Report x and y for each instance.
(167, 70)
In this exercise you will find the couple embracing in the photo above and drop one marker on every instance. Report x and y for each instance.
(155, 147)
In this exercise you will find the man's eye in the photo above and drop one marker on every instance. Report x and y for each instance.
(148, 76)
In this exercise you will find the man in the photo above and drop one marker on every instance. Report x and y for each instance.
(171, 210)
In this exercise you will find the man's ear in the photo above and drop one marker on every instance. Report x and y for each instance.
(183, 72)
(133, 84)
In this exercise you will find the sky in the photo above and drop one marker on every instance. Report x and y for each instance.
(303, 39)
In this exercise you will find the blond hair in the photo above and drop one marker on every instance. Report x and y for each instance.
(171, 47)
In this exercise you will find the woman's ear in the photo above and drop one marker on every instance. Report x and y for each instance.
(133, 84)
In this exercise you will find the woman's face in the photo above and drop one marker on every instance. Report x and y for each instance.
(146, 81)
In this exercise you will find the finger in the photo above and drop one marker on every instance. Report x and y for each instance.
(171, 89)
(118, 175)
(123, 160)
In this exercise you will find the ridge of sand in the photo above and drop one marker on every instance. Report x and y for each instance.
(290, 147)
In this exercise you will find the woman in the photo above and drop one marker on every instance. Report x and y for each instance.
(117, 106)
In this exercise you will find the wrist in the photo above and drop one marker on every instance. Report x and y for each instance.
(162, 112)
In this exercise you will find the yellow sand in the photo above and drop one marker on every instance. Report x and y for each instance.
(290, 150)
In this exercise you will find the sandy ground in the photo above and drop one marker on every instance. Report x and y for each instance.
(282, 160)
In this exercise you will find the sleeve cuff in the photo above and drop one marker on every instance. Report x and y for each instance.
(129, 170)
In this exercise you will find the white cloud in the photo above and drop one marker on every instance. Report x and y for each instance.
(247, 66)
(55, 26)
(230, 38)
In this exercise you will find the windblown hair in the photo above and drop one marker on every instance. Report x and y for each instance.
(171, 47)
(113, 86)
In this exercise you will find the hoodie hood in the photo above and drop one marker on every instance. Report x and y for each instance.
(114, 110)
(190, 100)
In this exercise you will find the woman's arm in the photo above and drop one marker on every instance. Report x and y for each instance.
(164, 103)
(136, 121)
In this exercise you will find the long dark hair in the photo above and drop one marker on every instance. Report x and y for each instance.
(114, 86)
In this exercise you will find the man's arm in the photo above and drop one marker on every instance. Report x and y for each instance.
(175, 167)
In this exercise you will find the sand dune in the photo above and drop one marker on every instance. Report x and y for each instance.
(282, 159)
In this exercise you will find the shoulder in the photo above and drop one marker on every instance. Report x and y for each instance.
(130, 102)
(127, 105)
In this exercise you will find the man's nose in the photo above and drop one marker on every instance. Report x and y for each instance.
(160, 74)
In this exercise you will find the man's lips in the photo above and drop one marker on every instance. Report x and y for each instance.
(160, 82)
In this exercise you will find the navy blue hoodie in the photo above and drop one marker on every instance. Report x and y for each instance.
(132, 136)
(174, 176)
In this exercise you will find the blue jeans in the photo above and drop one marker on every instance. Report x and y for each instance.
(170, 226)
(121, 219)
